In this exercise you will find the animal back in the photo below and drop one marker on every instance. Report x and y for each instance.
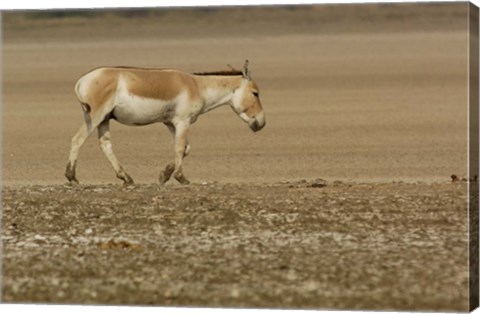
(158, 84)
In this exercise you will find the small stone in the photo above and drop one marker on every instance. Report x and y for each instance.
(39, 238)
(30, 245)
(291, 275)
(311, 286)
(318, 183)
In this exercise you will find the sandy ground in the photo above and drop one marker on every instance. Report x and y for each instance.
(361, 94)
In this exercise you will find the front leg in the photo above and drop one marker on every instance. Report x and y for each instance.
(166, 174)
(181, 143)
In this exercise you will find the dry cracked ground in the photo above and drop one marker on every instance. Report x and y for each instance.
(305, 244)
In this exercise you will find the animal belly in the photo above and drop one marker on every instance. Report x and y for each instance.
(141, 111)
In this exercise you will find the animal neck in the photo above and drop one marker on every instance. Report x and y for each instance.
(217, 90)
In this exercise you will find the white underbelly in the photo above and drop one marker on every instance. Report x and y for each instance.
(135, 110)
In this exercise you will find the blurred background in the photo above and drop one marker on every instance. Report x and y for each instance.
(352, 92)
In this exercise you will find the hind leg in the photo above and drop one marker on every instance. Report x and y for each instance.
(106, 145)
(77, 142)
(91, 123)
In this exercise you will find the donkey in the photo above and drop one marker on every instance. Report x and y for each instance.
(142, 96)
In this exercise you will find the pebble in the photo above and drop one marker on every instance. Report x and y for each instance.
(311, 286)
(235, 293)
(39, 238)
(30, 245)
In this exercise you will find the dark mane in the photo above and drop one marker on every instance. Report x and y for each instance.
(225, 73)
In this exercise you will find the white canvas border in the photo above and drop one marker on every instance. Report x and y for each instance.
(55, 4)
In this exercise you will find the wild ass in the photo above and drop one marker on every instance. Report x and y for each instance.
(142, 96)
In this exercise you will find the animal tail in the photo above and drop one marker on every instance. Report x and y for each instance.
(81, 96)
(86, 107)
(86, 116)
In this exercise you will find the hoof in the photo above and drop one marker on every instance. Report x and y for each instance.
(73, 182)
(162, 179)
(70, 174)
(128, 181)
(166, 174)
(181, 179)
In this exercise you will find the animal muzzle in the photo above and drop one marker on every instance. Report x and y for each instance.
(258, 123)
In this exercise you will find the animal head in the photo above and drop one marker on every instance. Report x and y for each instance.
(246, 101)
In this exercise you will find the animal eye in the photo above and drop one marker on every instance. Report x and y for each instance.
(255, 94)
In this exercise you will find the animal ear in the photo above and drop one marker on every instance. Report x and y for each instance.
(246, 71)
